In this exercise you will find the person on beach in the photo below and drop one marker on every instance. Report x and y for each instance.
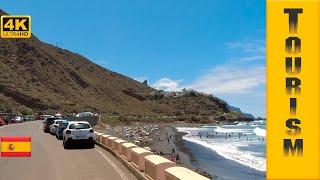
(173, 151)
(178, 158)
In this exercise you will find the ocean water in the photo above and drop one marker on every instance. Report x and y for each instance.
(244, 143)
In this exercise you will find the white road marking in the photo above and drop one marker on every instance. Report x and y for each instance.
(115, 167)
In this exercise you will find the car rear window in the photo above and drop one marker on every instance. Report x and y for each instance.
(79, 126)
(51, 119)
(64, 124)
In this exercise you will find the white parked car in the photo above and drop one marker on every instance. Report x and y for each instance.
(84, 114)
(53, 127)
(17, 119)
(78, 132)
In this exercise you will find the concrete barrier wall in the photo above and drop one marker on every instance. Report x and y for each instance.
(98, 136)
(111, 141)
(137, 157)
(117, 145)
(182, 173)
(125, 150)
(92, 120)
(104, 139)
(155, 166)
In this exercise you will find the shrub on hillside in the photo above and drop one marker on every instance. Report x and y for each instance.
(26, 111)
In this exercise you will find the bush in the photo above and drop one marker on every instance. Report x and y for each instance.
(26, 111)
(110, 120)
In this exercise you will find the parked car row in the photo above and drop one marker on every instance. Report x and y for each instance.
(2, 121)
(70, 132)
(13, 118)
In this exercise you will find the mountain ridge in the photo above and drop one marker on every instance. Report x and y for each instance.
(43, 77)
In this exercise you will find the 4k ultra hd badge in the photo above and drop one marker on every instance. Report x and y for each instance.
(15, 26)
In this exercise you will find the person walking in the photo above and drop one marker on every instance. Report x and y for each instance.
(173, 151)
(178, 158)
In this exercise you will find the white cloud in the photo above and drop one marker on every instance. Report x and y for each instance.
(167, 84)
(248, 51)
(257, 47)
(229, 79)
(249, 58)
(221, 80)
(241, 81)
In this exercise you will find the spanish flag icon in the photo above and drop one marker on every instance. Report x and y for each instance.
(18, 146)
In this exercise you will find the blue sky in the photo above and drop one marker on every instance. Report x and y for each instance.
(214, 46)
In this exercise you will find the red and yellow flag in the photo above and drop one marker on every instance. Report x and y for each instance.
(19, 146)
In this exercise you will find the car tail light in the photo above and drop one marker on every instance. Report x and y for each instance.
(91, 130)
(68, 132)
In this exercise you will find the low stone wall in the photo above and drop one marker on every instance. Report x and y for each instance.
(180, 173)
(155, 167)
(104, 139)
(125, 150)
(117, 145)
(137, 156)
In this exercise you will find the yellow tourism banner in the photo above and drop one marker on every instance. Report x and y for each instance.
(293, 69)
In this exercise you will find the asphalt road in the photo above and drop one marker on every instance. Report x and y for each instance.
(50, 161)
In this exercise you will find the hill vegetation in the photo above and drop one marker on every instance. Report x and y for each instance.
(42, 77)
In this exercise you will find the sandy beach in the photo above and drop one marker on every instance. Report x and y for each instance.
(169, 140)
(163, 139)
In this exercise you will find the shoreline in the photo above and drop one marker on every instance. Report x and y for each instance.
(192, 155)
(214, 164)
(177, 143)
(165, 146)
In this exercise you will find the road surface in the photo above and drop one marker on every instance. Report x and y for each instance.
(51, 161)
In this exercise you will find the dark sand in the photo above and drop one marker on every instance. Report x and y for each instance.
(166, 147)
(195, 156)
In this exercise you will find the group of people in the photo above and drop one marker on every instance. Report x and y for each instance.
(168, 137)
(175, 156)
(229, 135)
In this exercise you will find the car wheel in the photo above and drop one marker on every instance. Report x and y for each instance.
(65, 145)
(91, 144)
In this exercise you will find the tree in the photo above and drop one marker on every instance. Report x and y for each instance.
(26, 111)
